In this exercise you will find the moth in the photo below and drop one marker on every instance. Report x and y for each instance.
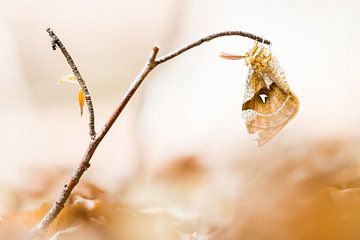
(269, 104)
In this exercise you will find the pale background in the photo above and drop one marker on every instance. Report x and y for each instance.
(191, 105)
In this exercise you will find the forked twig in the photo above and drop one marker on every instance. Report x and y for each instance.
(152, 63)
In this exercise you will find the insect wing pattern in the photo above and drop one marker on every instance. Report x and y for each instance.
(269, 103)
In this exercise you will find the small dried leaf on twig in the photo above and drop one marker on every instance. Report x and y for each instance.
(81, 101)
(68, 78)
(81, 96)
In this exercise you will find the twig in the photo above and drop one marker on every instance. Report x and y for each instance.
(152, 63)
(155, 62)
(55, 41)
(209, 38)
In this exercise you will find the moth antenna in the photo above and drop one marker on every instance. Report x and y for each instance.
(231, 56)
(263, 40)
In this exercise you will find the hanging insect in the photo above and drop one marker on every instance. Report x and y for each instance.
(269, 104)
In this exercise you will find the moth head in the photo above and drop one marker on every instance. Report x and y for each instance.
(258, 56)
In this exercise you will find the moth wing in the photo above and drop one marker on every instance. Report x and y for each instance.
(267, 108)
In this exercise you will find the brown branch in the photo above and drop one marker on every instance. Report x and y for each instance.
(152, 63)
(58, 205)
(55, 41)
(209, 38)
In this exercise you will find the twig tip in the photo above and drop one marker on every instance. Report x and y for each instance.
(156, 50)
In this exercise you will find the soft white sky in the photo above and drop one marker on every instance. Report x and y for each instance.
(190, 105)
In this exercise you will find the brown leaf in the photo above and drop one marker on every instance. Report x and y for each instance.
(81, 101)
(80, 96)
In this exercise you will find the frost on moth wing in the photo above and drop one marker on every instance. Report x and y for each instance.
(80, 95)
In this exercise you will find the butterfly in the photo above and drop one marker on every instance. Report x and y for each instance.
(269, 104)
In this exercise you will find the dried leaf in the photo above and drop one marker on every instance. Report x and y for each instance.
(81, 96)
(68, 78)
(81, 101)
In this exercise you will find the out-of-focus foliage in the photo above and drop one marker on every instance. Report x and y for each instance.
(309, 192)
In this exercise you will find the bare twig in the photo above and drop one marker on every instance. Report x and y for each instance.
(209, 38)
(58, 205)
(55, 41)
(151, 64)
(96, 138)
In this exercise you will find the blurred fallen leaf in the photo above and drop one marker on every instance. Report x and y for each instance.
(60, 234)
(310, 192)
(186, 173)
(88, 206)
(9, 200)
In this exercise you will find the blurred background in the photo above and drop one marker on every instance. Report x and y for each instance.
(186, 118)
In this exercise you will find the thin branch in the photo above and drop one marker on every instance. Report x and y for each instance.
(151, 64)
(209, 38)
(58, 205)
(55, 41)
